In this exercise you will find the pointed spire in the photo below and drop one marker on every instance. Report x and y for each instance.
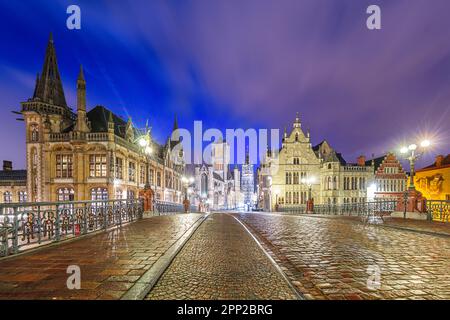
(297, 123)
(110, 117)
(36, 85)
(285, 132)
(175, 123)
(50, 37)
(81, 74)
(50, 87)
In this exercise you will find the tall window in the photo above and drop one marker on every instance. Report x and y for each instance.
(65, 194)
(130, 194)
(64, 166)
(142, 174)
(34, 133)
(99, 194)
(23, 197)
(158, 179)
(97, 165)
(152, 174)
(204, 184)
(119, 168)
(131, 171)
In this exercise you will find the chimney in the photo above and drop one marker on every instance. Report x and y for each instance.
(439, 160)
(7, 165)
(361, 161)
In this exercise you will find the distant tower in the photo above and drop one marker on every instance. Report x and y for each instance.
(248, 182)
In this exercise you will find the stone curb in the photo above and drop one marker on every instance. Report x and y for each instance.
(277, 267)
(146, 282)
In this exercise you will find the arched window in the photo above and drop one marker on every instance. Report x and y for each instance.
(296, 137)
(7, 197)
(204, 184)
(99, 194)
(23, 197)
(335, 183)
(130, 194)
(65, 194)
(34, 130)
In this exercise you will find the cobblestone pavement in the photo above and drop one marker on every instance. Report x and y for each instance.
(418, 225)
(110, 262)
(221, 261)
(330, 258)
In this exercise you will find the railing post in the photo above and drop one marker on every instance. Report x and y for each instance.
(57, 224)
(119, 211)
(39, 223)
(15, 239)
(85, 222)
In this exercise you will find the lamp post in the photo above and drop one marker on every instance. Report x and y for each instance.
(412, 155)
(310, 203)
(187, 181)
(144, 142)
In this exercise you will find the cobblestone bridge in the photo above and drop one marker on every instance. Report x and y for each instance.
(240, 256)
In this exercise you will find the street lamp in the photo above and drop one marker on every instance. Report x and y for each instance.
(412, 155)
(144, 142)
(187, 181)
(310, 203)
(309, 182)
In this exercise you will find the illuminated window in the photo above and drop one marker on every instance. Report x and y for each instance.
(65, 194)
(119, 168)
(97, 165)
(131, 171)
(23, 197)
(7, 197)
(64, 166)
(99, 194)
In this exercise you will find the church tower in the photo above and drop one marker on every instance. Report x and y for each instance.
(45, 113)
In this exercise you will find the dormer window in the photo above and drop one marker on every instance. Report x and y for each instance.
(296, 137)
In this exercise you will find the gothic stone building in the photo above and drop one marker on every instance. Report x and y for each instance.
(284, 174)
(216, 185)
(89, 155)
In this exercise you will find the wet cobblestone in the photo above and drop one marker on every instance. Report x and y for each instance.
(329, 258)
(221, 261)
(110, 262)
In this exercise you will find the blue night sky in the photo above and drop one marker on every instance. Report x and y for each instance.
(242, 64)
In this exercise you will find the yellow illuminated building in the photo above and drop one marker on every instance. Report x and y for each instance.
(434, 181)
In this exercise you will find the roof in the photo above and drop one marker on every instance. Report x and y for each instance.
(48, 85)
(377, 161)
(445, 162)
(217, 176)
(13, 175)
(332, 156)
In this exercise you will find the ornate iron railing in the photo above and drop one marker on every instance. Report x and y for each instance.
(379, 208)
(292, 209)
(439, 210)
(26, 225)
(164, 207)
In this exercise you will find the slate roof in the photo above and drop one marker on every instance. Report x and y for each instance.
(13, 176)
(332, 157)
(377, 162)
(217, 177)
